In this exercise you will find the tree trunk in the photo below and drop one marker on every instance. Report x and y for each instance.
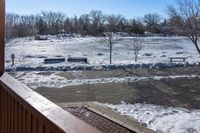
(197, 47)
(135, 57)
(194, 39)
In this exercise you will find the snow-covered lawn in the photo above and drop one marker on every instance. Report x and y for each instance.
(42, 79)
(31, 53)
(162, 119)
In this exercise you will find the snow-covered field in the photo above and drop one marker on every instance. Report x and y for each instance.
(162, 119)
(31, 53)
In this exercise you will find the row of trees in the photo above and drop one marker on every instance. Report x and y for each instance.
(95, 23)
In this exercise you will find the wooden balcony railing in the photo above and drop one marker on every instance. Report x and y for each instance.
(24, 111)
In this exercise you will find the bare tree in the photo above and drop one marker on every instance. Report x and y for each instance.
(68, 25)
(111, 39)
(11, 21)
(137, 46)
(97, 20)
(41, 26)
(114, 22)
(135, 26)
(84, 21)
(187, 13)
(152, 22)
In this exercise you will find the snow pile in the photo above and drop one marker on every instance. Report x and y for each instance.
(36, 79)
(40, 79)
(83, 81)
(161, 119)
(88, 67)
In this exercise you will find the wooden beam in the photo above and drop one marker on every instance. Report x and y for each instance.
(2, 34)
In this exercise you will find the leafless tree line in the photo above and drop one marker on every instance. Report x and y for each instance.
(95, 23)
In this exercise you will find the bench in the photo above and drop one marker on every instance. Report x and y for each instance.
(177, 58)
(77, 59)
(53, 60)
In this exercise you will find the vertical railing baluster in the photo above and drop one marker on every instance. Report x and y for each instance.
(1, 107)
(44, 129)
(28, 122)
(12, 115)
(2, 111)
(15, 118)
(40, 126)
(6, 113)
(33, 124)
(36, 121)
(9, 112)
(23, 119)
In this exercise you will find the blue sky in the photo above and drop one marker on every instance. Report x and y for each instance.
(128, 8)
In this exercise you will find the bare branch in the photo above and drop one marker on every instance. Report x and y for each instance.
(111, 39)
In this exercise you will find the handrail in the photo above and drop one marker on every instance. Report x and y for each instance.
(24, 111)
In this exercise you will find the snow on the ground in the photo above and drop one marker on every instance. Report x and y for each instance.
(31, 53)
(35, 80)
(40, 79)
(162, 119)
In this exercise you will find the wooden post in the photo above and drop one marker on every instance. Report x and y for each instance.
(2, 34)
